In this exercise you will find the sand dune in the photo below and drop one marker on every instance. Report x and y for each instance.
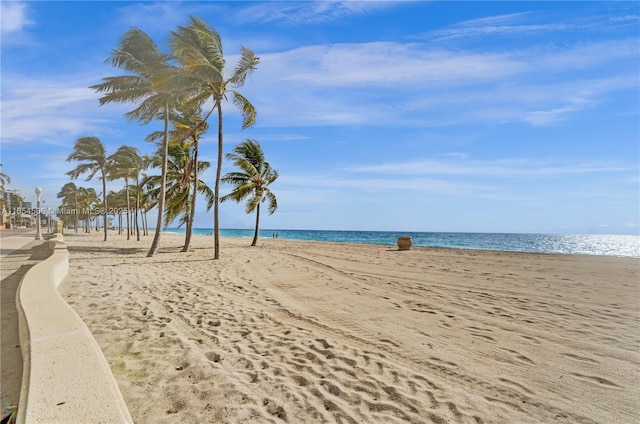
(305, 332)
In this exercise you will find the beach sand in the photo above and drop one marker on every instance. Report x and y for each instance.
(307, 332)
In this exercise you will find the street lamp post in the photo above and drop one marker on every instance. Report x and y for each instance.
(38, 194)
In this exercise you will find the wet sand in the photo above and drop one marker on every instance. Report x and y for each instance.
(306, 332)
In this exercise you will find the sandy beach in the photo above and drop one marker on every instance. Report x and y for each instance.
(306, 332)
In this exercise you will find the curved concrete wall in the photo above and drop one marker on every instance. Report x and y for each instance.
(66, 378)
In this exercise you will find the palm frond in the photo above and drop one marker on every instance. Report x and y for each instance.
(246, 65)
(247, 110)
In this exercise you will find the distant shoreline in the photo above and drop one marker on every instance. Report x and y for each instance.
(575, 244)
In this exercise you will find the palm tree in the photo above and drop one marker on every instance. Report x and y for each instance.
(4, 180)
(117, 202)
(142, 198)
(87, 199)
(198, 48)
(190, 121)
(155, 83)
(180, 186)
(69, 194)
(91, 152)
(126, 163)
(252, 180)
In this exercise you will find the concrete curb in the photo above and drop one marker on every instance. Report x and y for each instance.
(66, 378)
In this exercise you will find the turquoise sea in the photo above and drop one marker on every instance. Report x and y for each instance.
(584, 244)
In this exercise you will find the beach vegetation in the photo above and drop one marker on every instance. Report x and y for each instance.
(154, 83)
(4, 180)
(198, 48)
(127, 163)
(188, 126)
(69, 196)
(181, 185)
(174, 88)
(91, 154)
(252, 180)
(88, 201)
(120, 167)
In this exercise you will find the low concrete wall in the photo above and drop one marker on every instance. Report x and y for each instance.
(66, 378)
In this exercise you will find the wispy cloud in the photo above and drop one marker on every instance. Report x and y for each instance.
(314, 12)
(385, 63)
(500, 168)
(47, 111)
(415, 84)
(502, 25)
(528, 23)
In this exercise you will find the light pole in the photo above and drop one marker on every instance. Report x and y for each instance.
(38, 194)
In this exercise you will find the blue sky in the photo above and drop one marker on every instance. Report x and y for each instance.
(400, 116)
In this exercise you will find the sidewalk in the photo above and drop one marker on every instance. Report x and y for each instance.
(12, 240)
(16, 257)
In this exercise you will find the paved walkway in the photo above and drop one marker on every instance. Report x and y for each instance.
(19, 251)
(12, 240)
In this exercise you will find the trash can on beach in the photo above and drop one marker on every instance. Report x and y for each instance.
(404, 243)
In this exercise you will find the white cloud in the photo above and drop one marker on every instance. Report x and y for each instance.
(13, 15)
(414, 84)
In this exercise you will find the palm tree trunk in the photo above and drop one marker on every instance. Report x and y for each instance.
(137, 207)
(104, 202)
(255, 234)
(75, 225)
(216, 193)
(192, 212)
(126, 190)
(163, 185)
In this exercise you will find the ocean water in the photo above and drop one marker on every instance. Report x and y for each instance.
(583, 244)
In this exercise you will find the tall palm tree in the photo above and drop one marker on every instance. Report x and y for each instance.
(91, 153)
(252, 180)
(153, 82)
(198, 48)
(69, 195)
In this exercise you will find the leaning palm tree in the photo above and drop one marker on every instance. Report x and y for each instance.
(69, 195)
(91, 153)
(252, 180)
(198, 48)
(155, 84)
(190, 121)
(180, 187)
